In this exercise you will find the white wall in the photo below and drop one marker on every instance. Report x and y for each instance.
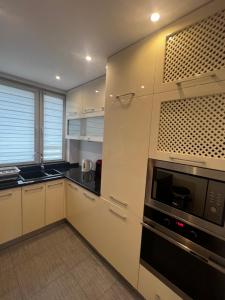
(78, 150)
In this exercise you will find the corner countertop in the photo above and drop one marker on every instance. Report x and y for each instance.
(87, 180)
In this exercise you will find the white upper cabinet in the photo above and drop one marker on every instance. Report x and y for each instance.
(131, 70)
(74, 102)
(189, 127)
(125, 152)
(191, 51)
(94, 96)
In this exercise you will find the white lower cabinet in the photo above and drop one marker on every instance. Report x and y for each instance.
(151, 288)
(33, 207)
(55, 204)
(10, 214)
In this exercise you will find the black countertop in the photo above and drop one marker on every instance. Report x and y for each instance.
(87, 180)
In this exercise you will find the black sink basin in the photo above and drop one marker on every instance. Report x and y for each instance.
(25, 176)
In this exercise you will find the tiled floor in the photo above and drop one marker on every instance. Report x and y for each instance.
(58, 264)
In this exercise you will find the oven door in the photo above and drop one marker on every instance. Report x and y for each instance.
(185, 266)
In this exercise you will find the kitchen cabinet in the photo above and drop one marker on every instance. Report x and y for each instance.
(55, 201)
(119, 240)
(74, 102)
(94, 96)
(190, 52)
(84, 212)
(125, 152)
(33, 207)
(189, 127)
(131, 70)
(10, 214)
(151, 288)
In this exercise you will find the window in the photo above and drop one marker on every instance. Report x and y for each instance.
(17, 125)
(21, 141)
(53, 128)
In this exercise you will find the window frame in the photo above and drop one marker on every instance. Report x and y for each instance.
(39, 121)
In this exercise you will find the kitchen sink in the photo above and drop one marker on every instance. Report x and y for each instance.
(35, 175)
(25, 176)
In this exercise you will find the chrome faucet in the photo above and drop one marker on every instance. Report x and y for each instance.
(42, 163)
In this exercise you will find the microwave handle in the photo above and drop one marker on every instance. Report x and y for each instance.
(202, 162)
(207, 260)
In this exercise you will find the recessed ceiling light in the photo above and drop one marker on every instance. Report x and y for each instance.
(96, 91)
(155, 17)
(88, 58)
(57, 77)
(142, 86)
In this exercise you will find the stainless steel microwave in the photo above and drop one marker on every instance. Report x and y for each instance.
(195, 194)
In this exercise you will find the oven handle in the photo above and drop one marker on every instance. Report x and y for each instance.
(207, 260)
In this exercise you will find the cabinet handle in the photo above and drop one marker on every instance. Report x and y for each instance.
(118, 201)
(202, 162)
(35, 189)
(89, 197)
(117, 214)
(6, 195)
(195, 77)
(58, 183)
(73, 187)
(123, 95)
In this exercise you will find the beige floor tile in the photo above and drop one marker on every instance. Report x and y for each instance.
(121, 292)
(93, 280)
(5, 260)
(64, 288)
(8, 281)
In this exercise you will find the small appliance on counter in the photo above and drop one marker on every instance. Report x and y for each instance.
(98, 169)
(9, 174)
(86, 165)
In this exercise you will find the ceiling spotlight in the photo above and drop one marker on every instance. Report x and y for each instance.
(155, 17)
(96, 91)
(57, 77)
(88, 58)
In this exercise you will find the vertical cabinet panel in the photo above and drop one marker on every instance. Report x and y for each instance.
(190, 52)
(10, 215)
(74, 102)
(33, 204)
(125, 152)
(152, 288)
(94, 95)
(131, 70)
(72, 195)
(55, 209)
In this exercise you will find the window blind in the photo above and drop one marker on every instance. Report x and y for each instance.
(53, 128)
(17, 125)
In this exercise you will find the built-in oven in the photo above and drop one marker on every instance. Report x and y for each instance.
(183, 236)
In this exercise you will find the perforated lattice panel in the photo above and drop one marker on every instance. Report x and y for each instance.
(193, 126)
(198, 49)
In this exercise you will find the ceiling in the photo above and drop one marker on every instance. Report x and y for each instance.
(42, 39)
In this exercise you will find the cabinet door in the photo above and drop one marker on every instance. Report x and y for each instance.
(125, 152)
(191, 51)
(94, 95)
(131, 70)
(10, 215)
(152, 288)
(33, 207)
(55, 205)
(74, 102)
(72, 195)
(189, 127)
(119, 240)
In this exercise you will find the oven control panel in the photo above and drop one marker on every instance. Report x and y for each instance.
(192, 233)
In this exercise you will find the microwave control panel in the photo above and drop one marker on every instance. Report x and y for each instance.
(214, 206)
